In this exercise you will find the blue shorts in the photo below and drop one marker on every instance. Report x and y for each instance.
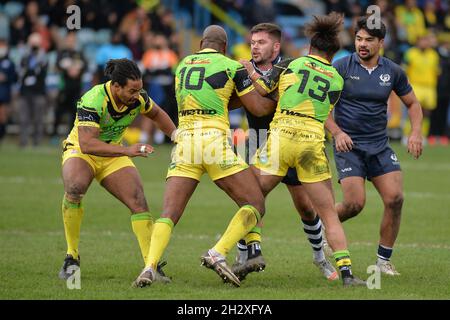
(366, 160)
(291, 178)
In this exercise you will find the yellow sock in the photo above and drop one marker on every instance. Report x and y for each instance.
(243, 221)
(160, 239)
(72, 216)
(253, 236)
(142, 224)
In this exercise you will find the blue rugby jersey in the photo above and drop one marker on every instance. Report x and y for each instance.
(361, 112)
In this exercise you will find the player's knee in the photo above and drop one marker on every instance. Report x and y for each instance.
(75, 192)
(260, 206)
(306, 212)
(353, 208)
(395, 202)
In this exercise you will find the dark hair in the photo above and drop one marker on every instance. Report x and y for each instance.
(120, 70)
(379, 33)
(271, 28)
(324, 31)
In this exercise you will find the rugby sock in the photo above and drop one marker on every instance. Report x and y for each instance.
(242, 251)
(313, 230)
(72, 216)
(243, 221)
(344, 263)
(253, 240)
(142, 224)
(384, 253)
(162, 230)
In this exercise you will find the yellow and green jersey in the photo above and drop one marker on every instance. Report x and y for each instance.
(204, 84)
(97, 108)
(308, 89)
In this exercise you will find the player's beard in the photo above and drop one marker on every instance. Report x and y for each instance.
(263, 59)
(366, 57)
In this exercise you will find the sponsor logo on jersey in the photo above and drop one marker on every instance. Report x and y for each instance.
(196, 60)
(346, 170)
(354, 77)
(193, 112)
(317, 68)
(86, 117)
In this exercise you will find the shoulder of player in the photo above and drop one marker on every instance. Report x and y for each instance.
(94, 97)
(391, 65)
(341, 62)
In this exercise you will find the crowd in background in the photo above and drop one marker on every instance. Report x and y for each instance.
(45, 67)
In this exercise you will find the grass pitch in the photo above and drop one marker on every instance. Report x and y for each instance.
(33, 247)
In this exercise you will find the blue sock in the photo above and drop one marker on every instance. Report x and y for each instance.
(384, 253)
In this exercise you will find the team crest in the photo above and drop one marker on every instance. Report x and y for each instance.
(385, 79)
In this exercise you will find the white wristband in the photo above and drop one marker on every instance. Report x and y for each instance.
(142, 149)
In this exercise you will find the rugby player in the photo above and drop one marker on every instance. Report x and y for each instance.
(308, 87)
(93, 150)
(265, 50)
(204, 84)
(361, 145)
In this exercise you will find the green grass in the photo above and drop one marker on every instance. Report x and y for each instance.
(32, 239)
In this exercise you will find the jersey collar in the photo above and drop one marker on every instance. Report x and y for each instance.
(208, 50)
(274, 62)
(110, 96)
(356, 59)
(323, 60)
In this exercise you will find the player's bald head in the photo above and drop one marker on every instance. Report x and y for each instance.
(214, 37)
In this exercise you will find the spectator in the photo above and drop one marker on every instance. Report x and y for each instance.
(430, 15)
(7, 78)
(113, 50)
(411, 22)
(71, 64)
(134, 41)
(422, 69)
(438, 119)
(18, 32)
(32, 100)
(159, 61)
(263, 11)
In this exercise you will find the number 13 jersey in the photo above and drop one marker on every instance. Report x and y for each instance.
(308, 89)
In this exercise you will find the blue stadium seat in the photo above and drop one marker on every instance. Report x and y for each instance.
(103, 36)
(13, 9)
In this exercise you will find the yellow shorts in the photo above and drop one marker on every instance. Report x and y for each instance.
(300, 150)
(427, 96)
(101, 166)
(203, 150)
